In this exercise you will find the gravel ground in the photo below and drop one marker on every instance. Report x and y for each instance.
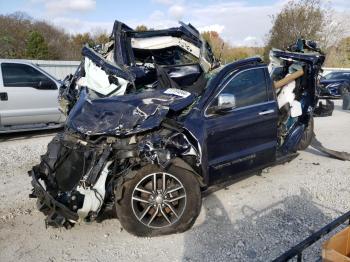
(255, 219)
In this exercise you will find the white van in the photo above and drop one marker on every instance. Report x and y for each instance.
(28, 98)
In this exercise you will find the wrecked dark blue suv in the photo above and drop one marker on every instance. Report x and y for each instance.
(146, 137)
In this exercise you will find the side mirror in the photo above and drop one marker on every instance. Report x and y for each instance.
(46, 85)
(226, 101)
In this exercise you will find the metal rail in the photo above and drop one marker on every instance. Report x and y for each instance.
(297, 251)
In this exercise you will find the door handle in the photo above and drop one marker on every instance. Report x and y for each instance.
(4, 96)
(266, 112)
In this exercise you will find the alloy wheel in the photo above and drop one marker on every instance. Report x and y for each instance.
(159, 200)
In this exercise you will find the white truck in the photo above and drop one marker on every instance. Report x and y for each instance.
(28, 98)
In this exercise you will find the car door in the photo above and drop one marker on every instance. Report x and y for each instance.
(28, 96)
(243, 137)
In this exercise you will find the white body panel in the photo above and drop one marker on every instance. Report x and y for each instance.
(97, 80)
(26, 105)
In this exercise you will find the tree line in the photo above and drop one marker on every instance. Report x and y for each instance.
(23, 37)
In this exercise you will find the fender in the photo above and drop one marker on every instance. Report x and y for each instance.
(182, 164)
(178, 162)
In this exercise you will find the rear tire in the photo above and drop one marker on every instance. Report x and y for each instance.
(308, 135)
(344, 90)
(140, 201)
(346, 102)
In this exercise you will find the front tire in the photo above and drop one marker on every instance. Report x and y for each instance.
(159, 202)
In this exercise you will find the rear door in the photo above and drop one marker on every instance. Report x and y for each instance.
(245, 136)
(28, 96)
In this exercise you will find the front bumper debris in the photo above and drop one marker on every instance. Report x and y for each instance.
(57, 214)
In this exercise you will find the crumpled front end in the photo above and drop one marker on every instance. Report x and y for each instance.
(124, 105)
(79, 178)
(69, 181)
(56, 180)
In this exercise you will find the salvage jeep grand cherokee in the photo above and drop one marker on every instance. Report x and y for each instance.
(153, 121)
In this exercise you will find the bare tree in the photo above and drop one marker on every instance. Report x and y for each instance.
(336, 27)
(310, 19)
(298, 19)
(141, 28)
(339, 55)
(226, 52)
(100, 36)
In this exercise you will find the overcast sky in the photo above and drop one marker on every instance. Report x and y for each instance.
(241, 22)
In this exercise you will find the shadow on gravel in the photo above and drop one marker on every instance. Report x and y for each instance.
(261, 235)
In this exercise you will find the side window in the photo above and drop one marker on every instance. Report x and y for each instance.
(248, 88)
(20, 75)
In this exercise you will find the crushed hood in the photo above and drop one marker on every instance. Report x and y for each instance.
(128, 114)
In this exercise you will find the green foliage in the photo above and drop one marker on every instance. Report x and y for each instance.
(16, 42)
(37, 47)
(7, 50)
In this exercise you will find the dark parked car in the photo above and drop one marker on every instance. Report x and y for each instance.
(335, 84)
(149, 152)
